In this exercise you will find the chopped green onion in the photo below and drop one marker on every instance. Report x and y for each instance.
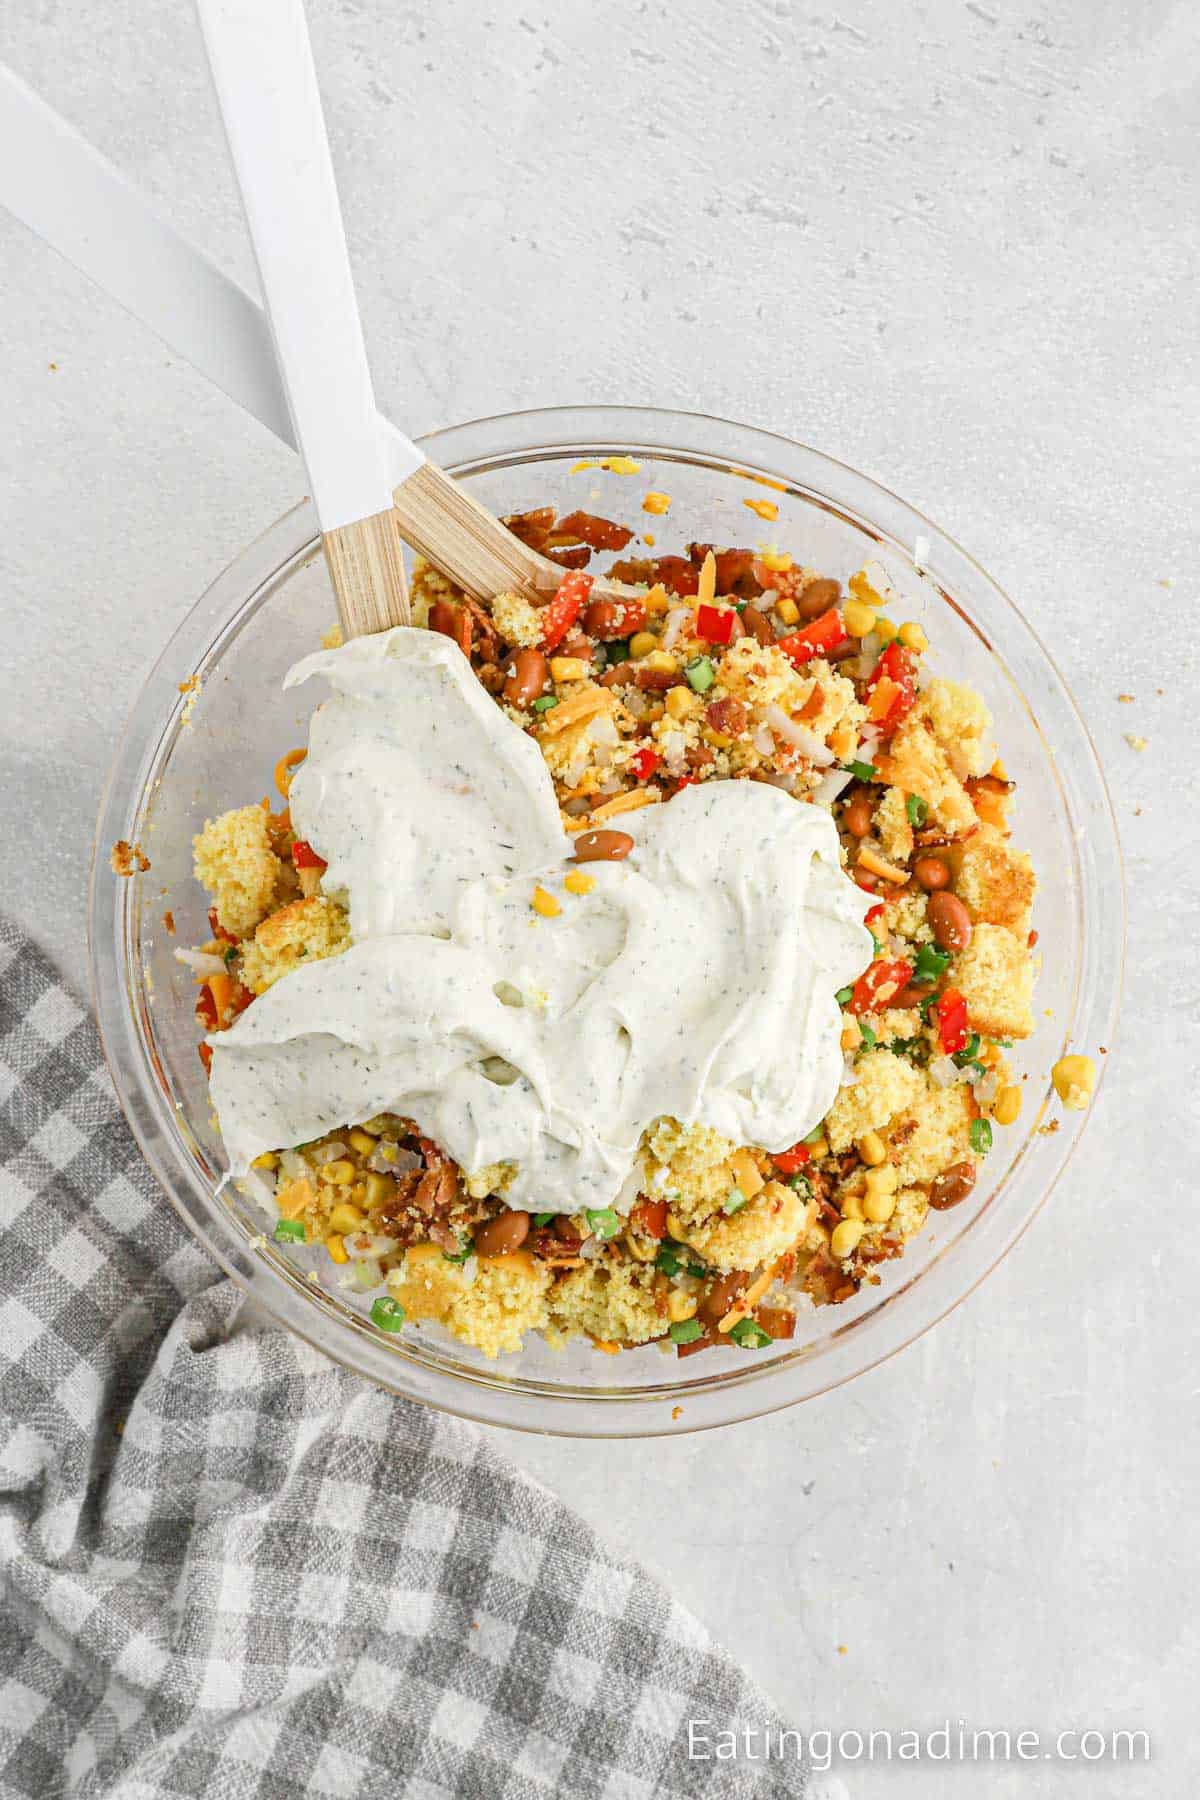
(541, 1219)
(734, 1202)
(461, 1255)
(980, 1135)
(749, 1335)
(387, 1313)
(876, 946)
(545, 703)
(917, 809)
(617, 652)
(815, 1135)
(868, 1036)
(290, 1231)
(969, 1051)
(685, 1331)
(926, 1007)
(667, 1260)
(603, 1221)
(229, 952)
(700, 674)
(861, 771)
(930, 963)
(801, 1183)
(843, 995)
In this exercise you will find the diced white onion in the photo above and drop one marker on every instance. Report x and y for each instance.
(942, 1072)
(831, 784)
(985, 1090)
(293, 1165)
(603, 730)
(367, 1273)
(763, 741)
(201, 962)
(679, 618)
(798, 736)
(329, 1153)
(370, 1244)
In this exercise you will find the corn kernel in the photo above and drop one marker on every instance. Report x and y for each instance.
(346, 1217)
(656, 503)
(569, 668)
(545, 904)
(362, 1141)
(1008, 1106)
(268, 1160)
(340, 1172)
(578, 882)
(680, 1306)
(913, 638)
(885, 629)
(337, 1249)
(818, 1150)
(648, 537)
(778, 561)
(720, 740)
(871, 1150)
(879, 1207)
(377, 1190)
(858, 618)
(881, 1180)
(846, 1237)
(681, 702)
(852, 1206)
(662, 660)
(842, 741)
(788, 611)
(657, 599)
(641, 644)
(1074, 1079)
(621, 465)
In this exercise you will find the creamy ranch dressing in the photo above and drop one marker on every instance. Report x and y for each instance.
(697, 979)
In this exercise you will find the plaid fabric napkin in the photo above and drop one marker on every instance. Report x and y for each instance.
(229, 1568)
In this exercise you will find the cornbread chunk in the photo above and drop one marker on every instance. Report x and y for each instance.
(961, 723)
(493, 1179)
(617, 1302)
(886, 1086)
(690, 1165)
(428, 586)
(234, 860)
(931, 1134)
(892, 826)
(907, 915)
(306, 931)
(995, 975)
(758, 1233)
(917, 763)
(490, 1307)
(995, 883)
(516, 619)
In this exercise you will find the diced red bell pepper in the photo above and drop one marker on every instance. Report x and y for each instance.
(206, 1009)
(873, 913)
(952, 1021)
(565, 608)
(879, 984)
(218, 930)
(644, 762)
(305, 857)
(676, 573)
(817, 639)
(790, 1162)
(715, 623)
(866, 882)
(205, 1051)
(650, 1218)
(686, 781)
(898, 669)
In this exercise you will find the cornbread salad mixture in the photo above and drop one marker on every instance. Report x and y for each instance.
(731, 664)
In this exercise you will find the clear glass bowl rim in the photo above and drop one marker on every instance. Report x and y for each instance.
(722, 1398)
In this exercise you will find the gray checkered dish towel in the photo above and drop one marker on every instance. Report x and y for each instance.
(231, 1569)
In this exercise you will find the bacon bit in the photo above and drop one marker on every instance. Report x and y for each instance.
(533, 528)
(730, 717)
(218, 930)
(777, 1321)
(168, 920)
(676, 573)
(577, 558)
(650, 1218)
(127, 859)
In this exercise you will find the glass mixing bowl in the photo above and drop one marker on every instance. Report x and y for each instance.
(187, 756)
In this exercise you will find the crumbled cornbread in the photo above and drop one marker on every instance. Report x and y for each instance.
(235, 862)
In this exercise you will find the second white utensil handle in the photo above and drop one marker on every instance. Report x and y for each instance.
(266, 84)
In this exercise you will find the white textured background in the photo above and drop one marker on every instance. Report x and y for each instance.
(955, 243)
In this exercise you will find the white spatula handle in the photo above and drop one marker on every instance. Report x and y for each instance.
(266, 85)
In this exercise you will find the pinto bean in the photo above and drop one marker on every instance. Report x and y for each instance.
(502, 1235)
(758, 625)
(910, 996)
(527, 677)
(721, 1296)
(818, 596)
(857, 816)
(932, 873)
(602, 846)
(950, 921)
(608, 619)
(952, 1186)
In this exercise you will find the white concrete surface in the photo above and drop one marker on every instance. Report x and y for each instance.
(955, 244)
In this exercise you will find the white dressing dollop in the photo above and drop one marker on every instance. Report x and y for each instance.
(696, 979)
